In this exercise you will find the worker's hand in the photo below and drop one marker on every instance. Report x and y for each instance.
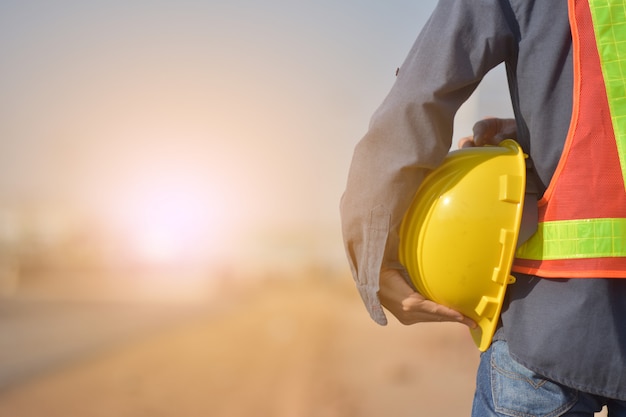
(410, 307)
(490, 131)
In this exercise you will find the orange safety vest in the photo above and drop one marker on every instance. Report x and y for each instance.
(582, 216)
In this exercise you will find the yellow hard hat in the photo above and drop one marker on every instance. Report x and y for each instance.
(458, 238)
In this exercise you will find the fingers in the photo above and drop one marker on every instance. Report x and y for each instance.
(492, 131)
(466, 142)
(420, 309)
(410, 307)
(485, 132)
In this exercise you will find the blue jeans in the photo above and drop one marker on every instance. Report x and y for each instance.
(506, 388)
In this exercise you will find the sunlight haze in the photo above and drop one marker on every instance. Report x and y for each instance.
(239, 117)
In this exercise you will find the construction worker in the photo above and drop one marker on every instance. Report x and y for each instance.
(560, 345)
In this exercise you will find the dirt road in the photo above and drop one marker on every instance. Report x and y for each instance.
(288, 348)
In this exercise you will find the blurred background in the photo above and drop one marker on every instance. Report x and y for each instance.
(170, 175)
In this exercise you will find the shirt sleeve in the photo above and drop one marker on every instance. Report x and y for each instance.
(411, 132)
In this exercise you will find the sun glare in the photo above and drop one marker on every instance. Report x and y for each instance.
(171, 217)
(165, 195)
(171, 225)
(177, 222)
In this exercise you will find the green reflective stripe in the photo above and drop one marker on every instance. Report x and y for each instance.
(609, 22)
(574, 239)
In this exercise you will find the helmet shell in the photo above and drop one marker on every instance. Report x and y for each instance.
(458, 238)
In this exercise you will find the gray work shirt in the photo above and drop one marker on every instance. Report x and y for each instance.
(572, 331)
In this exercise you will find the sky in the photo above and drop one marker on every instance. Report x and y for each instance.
(230, 122)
